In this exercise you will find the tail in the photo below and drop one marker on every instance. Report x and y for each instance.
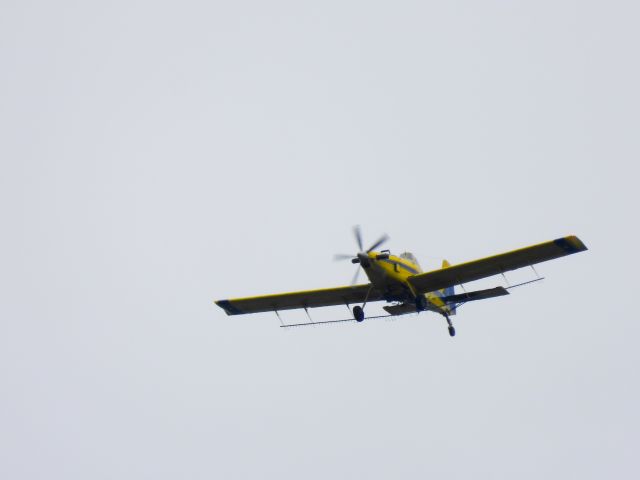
(449, 291)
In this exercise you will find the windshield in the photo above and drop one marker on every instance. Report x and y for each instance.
(411, 257)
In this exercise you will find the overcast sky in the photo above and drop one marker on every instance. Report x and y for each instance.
(156, 156)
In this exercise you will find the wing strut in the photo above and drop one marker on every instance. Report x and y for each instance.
(535, 271)
(367, 297)
(278, 315)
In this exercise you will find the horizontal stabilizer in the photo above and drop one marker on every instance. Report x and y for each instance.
(400, 309)
(477, 295)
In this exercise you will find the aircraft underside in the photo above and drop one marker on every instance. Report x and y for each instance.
(400, 281)
(399, 293)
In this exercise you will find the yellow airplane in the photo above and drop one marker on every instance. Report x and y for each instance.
(399, 280)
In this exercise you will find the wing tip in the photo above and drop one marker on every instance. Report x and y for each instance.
(571, 244)
(228, 307)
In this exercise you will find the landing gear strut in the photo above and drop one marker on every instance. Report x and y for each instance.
(452, 330)
(358, 313)
(421, 303)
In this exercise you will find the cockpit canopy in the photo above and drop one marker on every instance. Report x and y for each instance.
(411, 257)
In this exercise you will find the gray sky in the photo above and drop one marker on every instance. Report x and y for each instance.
(158, 155)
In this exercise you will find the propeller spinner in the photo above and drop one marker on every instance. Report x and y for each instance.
(362, 256)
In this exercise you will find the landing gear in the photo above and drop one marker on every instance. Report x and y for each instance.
(358, 313)
(452, 330)
(421, 303)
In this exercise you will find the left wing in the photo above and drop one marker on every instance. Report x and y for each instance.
(306, 299)
(489, 266)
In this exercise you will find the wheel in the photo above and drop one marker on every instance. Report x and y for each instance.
(452, 331)
(358, 313)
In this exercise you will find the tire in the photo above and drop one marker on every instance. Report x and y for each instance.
(452, 331)
(358, 313)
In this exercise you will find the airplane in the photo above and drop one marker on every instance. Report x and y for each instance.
(399, 281)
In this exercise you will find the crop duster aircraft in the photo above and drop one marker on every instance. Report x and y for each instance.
(400, 281)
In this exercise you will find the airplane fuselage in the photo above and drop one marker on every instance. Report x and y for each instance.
(389, 274)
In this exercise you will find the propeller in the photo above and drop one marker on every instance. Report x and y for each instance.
(378, 242)
(357, 233)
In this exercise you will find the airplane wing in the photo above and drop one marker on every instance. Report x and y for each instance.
(306, 299)
(486, 267)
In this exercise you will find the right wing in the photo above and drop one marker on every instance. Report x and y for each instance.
(305, 299)
(489, 266)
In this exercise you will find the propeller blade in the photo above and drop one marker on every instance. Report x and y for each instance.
(358, 234)
(355, 277)
(380, 241)
(342, 256)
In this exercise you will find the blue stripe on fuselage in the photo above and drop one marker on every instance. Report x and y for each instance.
(406, 267)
